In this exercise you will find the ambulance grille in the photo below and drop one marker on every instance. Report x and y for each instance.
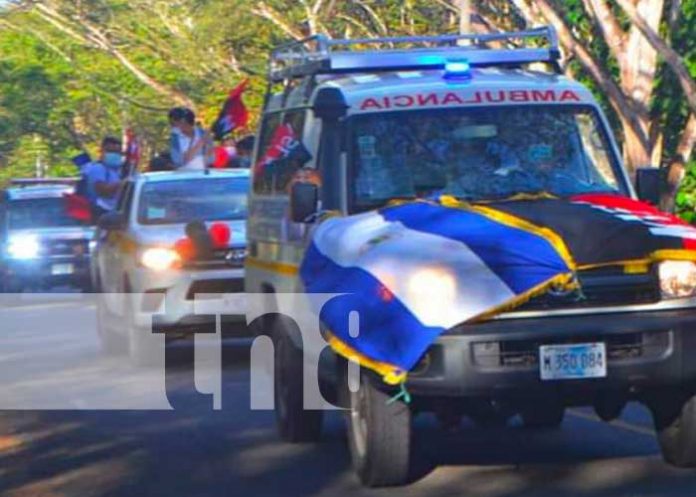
(601, 287)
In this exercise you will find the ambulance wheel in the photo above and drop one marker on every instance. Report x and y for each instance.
(676, 432)
(111, 343)
(295, 424)
(544, 416)
(379, 436)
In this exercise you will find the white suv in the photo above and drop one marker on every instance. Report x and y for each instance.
(143, 265)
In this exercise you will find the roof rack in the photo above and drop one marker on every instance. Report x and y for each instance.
(319, 54)
(69, 181)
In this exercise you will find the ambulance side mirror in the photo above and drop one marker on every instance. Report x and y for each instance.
(649, 184)
(304, 201)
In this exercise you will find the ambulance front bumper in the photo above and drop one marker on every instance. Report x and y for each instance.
(500, 359)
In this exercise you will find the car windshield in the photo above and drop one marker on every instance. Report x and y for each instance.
(480, 153)
(39, 213)
(182, 201)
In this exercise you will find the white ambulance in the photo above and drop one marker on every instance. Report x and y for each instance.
(351, 125)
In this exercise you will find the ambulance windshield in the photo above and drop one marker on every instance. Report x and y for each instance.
(480, 153)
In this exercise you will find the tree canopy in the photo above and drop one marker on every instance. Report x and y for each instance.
(74, 70)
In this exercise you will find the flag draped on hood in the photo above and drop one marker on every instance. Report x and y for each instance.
(234, 113)
(601, 229)
(415, 270)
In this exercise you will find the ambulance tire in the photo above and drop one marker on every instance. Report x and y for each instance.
(294, 423)
(111, 343)
(379, 436)
(676, 433)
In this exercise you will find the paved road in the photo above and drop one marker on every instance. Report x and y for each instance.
(196, 451)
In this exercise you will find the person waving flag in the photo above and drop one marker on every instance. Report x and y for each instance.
(234, 113)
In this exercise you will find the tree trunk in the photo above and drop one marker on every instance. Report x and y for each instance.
(687, 142)
(672, 58)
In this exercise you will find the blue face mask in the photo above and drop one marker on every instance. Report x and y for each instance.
(113, 159)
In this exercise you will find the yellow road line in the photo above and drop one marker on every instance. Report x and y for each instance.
(617, 423)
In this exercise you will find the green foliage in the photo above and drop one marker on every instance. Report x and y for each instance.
(685, 201)
(58, 83)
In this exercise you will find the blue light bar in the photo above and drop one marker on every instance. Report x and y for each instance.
(458, 69)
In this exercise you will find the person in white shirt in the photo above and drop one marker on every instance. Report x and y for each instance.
(191, 146)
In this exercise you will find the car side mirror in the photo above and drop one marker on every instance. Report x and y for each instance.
(112, 221)
(304, 201)
(649, 184)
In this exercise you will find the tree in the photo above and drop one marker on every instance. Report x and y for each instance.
(629, 75)
(107, 64)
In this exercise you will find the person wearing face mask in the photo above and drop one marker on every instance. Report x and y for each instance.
(191, 147)
(104, 177)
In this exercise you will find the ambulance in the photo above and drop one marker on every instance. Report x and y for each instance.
(352, 126)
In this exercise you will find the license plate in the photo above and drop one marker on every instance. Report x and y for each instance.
(570, 362)
(59, 269)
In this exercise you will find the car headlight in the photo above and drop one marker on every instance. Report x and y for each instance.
(677, 279)
(433, 293)
(23, 247)
(160, 258)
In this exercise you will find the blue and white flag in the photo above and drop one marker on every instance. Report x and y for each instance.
(414, 270)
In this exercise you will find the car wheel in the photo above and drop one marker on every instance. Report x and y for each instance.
(676, 432)
(543, 416)
(379, 436)
(111, 343)
(295, 424)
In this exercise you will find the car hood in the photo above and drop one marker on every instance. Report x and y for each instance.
(168, 234)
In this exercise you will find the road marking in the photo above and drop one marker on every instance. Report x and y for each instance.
(617, 423)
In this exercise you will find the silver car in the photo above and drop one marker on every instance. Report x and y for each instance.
(41, 246)
(141, 266)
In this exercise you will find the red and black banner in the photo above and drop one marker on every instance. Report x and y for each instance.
(603, 229)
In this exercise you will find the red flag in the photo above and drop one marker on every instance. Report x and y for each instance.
(234, 113)
(284, 144)
(132, 148)
(223, 156)
(77, 207)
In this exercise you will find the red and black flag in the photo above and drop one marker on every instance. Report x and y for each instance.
(234, 113)
(284, 156)
(602, 229)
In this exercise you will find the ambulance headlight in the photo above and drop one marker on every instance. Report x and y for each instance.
(677, 279)
(432, 293)
(160, 259)
(23, 247)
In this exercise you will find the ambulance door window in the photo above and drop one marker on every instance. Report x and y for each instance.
(268, 129)
(297, 155)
